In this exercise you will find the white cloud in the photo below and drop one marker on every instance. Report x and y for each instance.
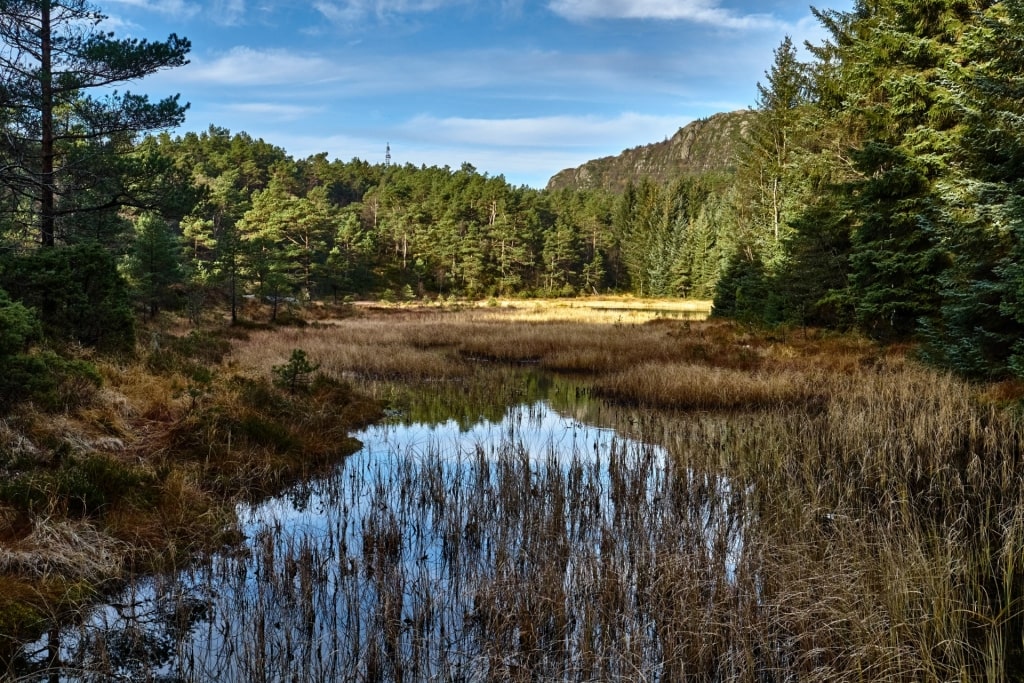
(228, 12)
(349, 12)
(244, 66)
(222, 12)
(179, 9)
(541, 132)
(697, 11)
(270, 111)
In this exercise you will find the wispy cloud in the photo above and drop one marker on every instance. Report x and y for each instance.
(244, 66)
(540, 132)
(274, 112)
(228, 12)
(179, 9)
(707, 12)
(349, 12)
(222, 12)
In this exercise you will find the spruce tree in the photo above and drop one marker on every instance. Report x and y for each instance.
(982, 324)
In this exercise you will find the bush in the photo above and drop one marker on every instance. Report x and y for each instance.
(79, 486)
(77, 294)
(190, 355)
(18, 326)
(46, 379)
(294, 374)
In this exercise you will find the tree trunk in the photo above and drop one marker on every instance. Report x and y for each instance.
(47, 205)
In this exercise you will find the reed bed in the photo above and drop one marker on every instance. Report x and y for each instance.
(710, 546)
(429, 344)
(769, 508)
(881, 500)
(698, 387)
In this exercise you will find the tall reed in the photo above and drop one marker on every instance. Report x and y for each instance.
(770, 509)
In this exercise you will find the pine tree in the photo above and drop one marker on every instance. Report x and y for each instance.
(154, 264)
(53, 53)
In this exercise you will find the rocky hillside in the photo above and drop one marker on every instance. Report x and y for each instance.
(704, 145)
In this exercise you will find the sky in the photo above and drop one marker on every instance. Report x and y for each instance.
(518, 88)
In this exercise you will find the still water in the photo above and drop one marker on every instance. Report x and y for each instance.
(527, 546)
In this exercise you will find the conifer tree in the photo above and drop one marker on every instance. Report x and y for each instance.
(154, 264)
(981, 325)
(61, 144)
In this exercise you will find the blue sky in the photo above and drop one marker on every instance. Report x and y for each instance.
(521, 88)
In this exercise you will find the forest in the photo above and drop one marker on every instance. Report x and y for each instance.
(879, 191)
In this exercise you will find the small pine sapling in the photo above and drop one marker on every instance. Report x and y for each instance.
(295, 373)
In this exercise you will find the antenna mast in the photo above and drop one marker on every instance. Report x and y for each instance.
(387, 157)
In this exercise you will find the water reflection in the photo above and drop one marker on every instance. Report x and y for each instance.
(531, 547)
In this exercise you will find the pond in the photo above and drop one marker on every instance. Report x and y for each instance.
(530, 545)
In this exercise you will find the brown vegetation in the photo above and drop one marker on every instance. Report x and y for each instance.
(879, 501)
(144, 472)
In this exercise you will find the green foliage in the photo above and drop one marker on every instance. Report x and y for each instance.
(191, 355)
(77, 293)
(65, 151)
(895, 260)
(78, 486)
(51, 382)
(46, 379)
(18, 326)
(258, 430)
(154, 264)
(296, 373)
(743, 289)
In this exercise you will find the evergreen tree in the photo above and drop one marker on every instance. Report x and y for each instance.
(894, 259)
(154, 265)
(766, 166)
(981, 325)
(53, 53)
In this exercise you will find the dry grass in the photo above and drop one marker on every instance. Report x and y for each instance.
(75, 551)
(145, 472)
(881, 501)
(435, 344)
(880, 504)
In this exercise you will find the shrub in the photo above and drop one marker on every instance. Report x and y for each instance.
(77, 294)
(294, 374)
(18, 326)
(79, 486)
(48, 380)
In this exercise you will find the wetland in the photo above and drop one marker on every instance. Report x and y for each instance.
(575, 500)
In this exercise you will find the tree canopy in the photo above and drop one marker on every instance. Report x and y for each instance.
(68, 135)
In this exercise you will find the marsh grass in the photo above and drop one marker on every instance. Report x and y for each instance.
(144, 472)
(879, 502)
(789, 506)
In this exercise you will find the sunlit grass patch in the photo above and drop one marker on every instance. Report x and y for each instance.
(695, 387)
(602, 310)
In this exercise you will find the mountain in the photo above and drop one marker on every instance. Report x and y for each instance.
(699, 147)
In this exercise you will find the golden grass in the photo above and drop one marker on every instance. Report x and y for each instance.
(881, 503)
(697, 387)
(589, 310)
(884, 526)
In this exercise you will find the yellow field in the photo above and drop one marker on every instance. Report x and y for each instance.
(608, 310)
